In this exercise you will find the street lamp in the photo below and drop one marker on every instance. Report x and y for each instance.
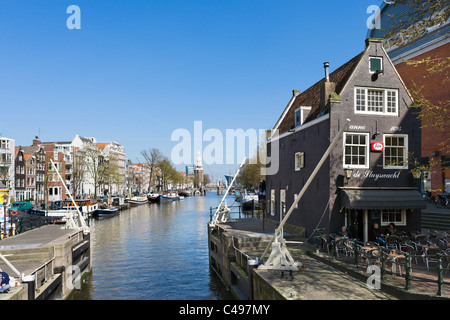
(416, 174)
(348, 174)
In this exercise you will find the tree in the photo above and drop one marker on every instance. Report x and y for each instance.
(250, 175)
(415, 21)
(152, 157)
(91, 155)
(78, 172)
(434, 112)
(108, 171)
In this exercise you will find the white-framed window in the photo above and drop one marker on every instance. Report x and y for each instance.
(272, 202)
(356, 150)
(395, 151)
(376, 101)
(375, 64)
(299, 160)
(301, 114)
(282, 202)
(396, 216)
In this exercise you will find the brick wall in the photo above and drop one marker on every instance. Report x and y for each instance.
(435, 90)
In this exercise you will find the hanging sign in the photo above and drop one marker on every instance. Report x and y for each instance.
(377, 146)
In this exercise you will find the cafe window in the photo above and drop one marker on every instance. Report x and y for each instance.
(376, 101)
(356, 150)
(396, 216)
(395, 151)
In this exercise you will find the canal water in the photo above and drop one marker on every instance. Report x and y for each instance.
(153, 252)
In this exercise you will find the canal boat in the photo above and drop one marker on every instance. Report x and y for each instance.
(168, 197)
(21, 206)
(86, 206)
(137, 201)
(103, 212)
(248, 200)
(54, 213)
(153, 197)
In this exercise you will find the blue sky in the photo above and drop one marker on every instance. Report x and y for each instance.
(138, 70)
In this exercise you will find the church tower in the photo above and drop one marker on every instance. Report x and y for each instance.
(198, 172)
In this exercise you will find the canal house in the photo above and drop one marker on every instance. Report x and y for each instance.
(367, 177)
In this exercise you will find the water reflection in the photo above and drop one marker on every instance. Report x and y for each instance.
(154, 251)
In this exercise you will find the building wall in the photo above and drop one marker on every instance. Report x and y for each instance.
(313, 141)
(434, 89)
(315, 138)
(7, 164)
(405, 123)
(434, 45)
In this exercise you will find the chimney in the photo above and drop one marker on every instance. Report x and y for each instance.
(36, 141)
(327, 87)
(295, 93)
(327, 75)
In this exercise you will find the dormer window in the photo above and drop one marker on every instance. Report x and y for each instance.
(376, 65)
(301, 114)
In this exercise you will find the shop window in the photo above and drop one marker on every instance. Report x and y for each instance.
(395, 151)
(396, 216)
(356, 150)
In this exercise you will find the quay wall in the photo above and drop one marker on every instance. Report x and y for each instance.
(56, 265)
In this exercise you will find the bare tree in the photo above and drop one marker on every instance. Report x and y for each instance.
(152, 156)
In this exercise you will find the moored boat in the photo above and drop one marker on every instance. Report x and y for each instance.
(169, 197)
(136, 201)
(153, 197)
(107, 211)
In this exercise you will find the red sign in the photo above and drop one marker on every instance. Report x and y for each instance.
(377, 146)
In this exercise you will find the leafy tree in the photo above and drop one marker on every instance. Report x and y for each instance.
(250, 174)
(411, 25)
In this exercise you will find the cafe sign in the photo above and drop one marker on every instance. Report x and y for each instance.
(369, 174)
(377, 146)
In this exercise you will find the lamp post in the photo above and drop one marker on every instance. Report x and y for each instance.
(348, 174)
(416, 175)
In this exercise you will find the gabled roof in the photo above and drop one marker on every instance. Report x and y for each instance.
(311, 96)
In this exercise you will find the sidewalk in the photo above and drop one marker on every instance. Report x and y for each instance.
(320, 281)
(423, 283)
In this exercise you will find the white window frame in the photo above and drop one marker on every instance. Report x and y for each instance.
(385, 101)
(366, 165)
(397, 223)
(379, 58)
(283, 205)
(405, 155)
(302, 113)
(272, 202)
(299, 160)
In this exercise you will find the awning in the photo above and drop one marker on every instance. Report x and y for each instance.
(382, 199)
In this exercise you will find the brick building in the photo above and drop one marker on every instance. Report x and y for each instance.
(435, 46)
(366, 179)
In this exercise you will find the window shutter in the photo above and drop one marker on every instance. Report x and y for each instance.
(375, 65)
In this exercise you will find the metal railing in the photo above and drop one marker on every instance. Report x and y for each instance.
(43, 273)
(236, 212)
(18, 225)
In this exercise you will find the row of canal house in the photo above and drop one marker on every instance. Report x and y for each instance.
(373, 151)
